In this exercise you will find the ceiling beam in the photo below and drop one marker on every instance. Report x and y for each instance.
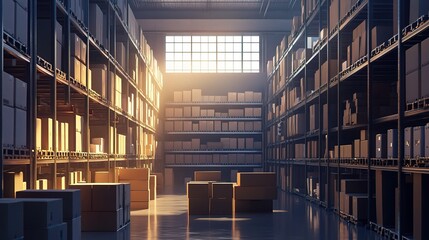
(212, 14)
(215, 25)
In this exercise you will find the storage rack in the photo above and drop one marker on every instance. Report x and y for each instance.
(53, 91)
(216, 156)
(377, 75)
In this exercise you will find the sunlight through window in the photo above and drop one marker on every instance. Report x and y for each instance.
(211, 54)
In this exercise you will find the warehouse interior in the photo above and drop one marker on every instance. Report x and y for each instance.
(210, 119)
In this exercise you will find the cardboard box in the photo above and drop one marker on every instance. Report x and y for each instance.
(255, 193)
(42, 212)
(412, 82)
(419, 141)
(70, 198)
(177, 96)
(86, 196)
(111, 221)
(187, 96)
(57, 231)
(356, 148)
(221, 206)
(12, 218)
(381, 146)
(140, 196)
(99, 79)
(408, 143)
(74, 228)
(196, 95)
(223, 190)
(133, 174)
(8, 85)
(107, 197)
(253, 206)
(354, 186)
(364, 149)
(256, 179)
(153, 187)
(198, 189)
(139, 205)
(392, 143)
(207, 175)
(13, 182)
(198, 206)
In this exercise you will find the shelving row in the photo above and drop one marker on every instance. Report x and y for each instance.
(339, 83)
(96, 109)
(197, 126)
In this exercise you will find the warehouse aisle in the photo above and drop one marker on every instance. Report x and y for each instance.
(293, 218)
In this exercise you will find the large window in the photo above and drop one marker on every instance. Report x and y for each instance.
(211, 54)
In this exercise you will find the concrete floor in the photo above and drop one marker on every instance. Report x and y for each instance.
(293, 218)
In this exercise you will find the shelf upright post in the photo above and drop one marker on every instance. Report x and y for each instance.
(319, 117)
(113, 38)
(33, 93)
(108, 85)
(370, 146)
(88, 137)
(401, 110)
(338, 106)
(328, 167)
(54, 89)
(67, 64)
(305, 89)
(1, 97)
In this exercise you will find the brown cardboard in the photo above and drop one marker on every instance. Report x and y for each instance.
(111, 221)
(255, 193)
(136, 185)
(106, 197)
(222, 190)
(221, 206)
(139, 205)
(256, 179)
(13, 182)
(253, 206)
(207, 176)
(198, 189)
(198, 206)
(133, 173)
(140, 196)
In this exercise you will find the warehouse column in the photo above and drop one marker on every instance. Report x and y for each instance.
(1, 97)
(401, 110)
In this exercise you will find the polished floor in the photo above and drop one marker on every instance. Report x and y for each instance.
(293, 218)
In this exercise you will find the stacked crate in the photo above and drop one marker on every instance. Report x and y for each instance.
(207, 176)
(78, 59)
(106, 201)
(71, 207)
(198, 198)
(138, 178)
(43, 219)
(221, 200)
(11, 217)
(255, 192)
(13, 182)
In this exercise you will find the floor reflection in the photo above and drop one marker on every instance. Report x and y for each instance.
(293, 218)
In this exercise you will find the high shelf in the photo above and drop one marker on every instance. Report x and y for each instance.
(213, 131)
(334, 91)
(82, 89)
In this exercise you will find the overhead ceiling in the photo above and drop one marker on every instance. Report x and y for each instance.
(211, 9)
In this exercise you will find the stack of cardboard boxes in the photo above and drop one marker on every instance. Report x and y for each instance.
(43, 219)
(14, 109)
(198, 193)
(221, 200)
(99, 79)
(107, 201)
(255, 191)
(15, 19)
(355, 112)
(71, 207)
(195, 95)
(12, 218)
(349, 189)
(140, 187)
(13, 182)
(78, 60)
(417, 71)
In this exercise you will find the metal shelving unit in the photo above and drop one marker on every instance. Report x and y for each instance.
(54, 92)
(371, 74)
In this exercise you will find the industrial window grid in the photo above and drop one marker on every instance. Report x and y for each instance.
(212, 54)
